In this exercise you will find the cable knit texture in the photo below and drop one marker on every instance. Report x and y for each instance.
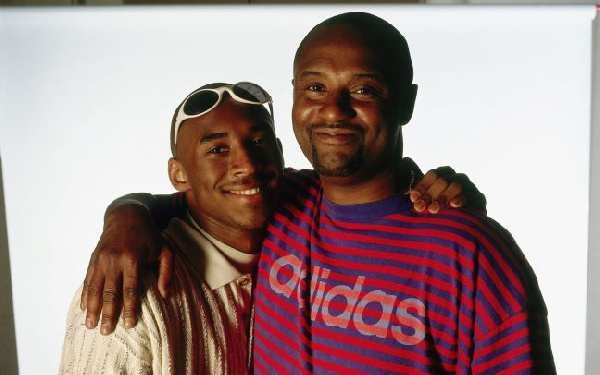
(203, 328)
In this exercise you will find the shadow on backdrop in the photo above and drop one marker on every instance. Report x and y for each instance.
(8, 344)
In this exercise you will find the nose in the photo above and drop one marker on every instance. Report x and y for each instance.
(244, 162)
(338, 106)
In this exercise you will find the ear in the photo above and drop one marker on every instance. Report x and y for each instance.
(178, 175)
(408, 105)
(280, 148)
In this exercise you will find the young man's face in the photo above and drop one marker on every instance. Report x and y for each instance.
(341, 103)
(231, 164)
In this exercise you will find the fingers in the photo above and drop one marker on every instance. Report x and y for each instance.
(472, 199)
(165, 271)
(470, 196)
(458, 202)
(443, 187)
(462, 188)
(84, 290)
(433, 192)
(92, 291)
(446, 193)
(130, 297)
(419, 195)
(111, 305)
(88, 277)
(421, 187)
(420, 200)
(438, 189)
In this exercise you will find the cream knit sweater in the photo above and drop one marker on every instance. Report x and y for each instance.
(203, 328)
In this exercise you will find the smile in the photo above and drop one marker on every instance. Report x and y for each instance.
(336, 136)
(254, 191)
(335, 131)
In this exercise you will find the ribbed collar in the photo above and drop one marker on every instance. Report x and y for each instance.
(367, 210)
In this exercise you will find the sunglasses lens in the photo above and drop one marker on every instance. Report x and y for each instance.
(200, 102)
(251, 92)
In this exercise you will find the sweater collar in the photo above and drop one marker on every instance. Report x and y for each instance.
(214, 261)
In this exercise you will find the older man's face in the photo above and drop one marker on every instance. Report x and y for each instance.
(341, 103)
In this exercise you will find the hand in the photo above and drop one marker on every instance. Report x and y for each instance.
(128, 244)
(444, 187)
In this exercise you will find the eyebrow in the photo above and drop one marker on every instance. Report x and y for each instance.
(211, 137)
(309, 74)
(263, 126)
(375, 76)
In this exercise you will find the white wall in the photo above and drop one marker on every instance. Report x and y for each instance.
(86, 98)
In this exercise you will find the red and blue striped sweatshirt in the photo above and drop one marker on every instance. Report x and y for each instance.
(378, 288)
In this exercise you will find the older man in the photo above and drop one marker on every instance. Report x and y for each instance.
(351, 279)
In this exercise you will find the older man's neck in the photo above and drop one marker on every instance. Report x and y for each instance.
(365, 189)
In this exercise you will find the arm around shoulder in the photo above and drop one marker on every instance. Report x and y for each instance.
(129, 243)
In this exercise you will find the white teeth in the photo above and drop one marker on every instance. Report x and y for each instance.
(246, 192)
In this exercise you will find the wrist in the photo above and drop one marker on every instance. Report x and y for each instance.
(128, 214)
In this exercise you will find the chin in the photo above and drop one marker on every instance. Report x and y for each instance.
(252, 222)
(336, 165)
(340, 169)
(252, 225)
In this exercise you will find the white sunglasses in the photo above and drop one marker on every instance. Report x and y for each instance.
(207, 98)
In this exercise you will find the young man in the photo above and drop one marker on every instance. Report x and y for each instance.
(227, 162)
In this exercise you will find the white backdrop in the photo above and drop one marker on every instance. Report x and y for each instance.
(86, 98)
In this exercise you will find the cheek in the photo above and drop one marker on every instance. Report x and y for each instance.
(296, 118)
(372, 116)
(302, 110)
(206, 175)
(375, 121)
(302, 113)
(298, 124)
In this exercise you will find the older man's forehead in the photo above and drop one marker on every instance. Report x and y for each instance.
(381, 49)
(360, 61)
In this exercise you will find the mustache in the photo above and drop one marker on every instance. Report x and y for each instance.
(337, 125)
(257, 179)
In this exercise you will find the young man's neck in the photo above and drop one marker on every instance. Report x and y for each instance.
(359, 190)
(245, 240)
